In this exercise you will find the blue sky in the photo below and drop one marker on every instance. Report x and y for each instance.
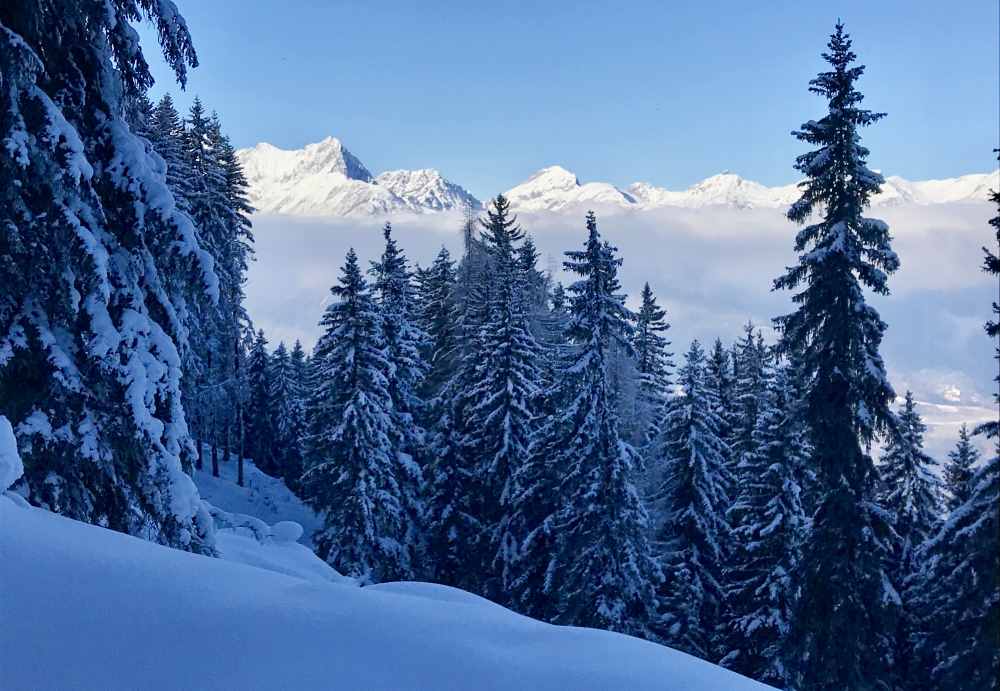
(667, 92)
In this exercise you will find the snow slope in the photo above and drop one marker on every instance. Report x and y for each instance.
(326, 180)
(262, 496)
(83, 607)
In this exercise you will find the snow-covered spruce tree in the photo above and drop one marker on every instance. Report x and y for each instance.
(959, 470)
(602, 572)
(537, 480)
(217, 202)
(689, 460)
(750, 357)
(960, 584)
(653, 363)
(841, 627)
(911, 491)
(260, 414)
(353, 468)
(720, 378)
(395, 297)
(957, 599)
(759, 586)
(437, 316)
(288, 420)
(503, 389)
(97, 266)
(166, 133)
(454, 488)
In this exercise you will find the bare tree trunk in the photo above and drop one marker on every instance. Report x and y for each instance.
(242, 437)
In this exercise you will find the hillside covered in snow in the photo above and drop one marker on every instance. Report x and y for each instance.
(122, 613)
(326, 180)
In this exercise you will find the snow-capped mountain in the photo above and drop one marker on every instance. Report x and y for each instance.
(555, 189)
(425, 190)
(325, 179)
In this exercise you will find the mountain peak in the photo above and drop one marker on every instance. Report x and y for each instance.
(325, 179)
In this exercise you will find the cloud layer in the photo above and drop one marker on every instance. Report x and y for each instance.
(711, 268)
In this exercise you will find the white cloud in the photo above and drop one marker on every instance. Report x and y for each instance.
(712, 268)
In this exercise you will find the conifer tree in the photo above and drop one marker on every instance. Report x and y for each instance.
(910, 488)
(840, 628)
(353, 466)
(288, 421)
(392, 284)
(259, 412)
(503, 389)
(720, 376)
(166, 132)
(959, 470)
(959, 587)
(690, 459)
(768, 531)
(437, 317)
(602, 570)
(96, 264)
(750, 362)
(455, 489)
(653, 361)
(910, 491)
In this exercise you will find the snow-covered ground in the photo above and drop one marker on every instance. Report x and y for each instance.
(83, 607)
(262, 496)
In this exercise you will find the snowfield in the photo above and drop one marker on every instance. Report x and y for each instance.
(87, 608)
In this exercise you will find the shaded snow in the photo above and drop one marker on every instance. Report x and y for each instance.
(11, 467)
(88, 608)
(262, 496)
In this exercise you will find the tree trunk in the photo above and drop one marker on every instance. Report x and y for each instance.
(242, 438)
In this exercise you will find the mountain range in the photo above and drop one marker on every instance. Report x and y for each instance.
(325, 179)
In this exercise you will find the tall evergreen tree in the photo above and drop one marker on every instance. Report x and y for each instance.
(749, 365)
(959, 470)
(392, 283)
(353, 465)
(503, 388)
(960, 584)
(455, 488)
(910, 491)
(288, 422)
(653, 361)
(690, 459)
(840, 627)
(720, 377)
(602, 570)
(97, 265)
(260, 444)
(769, 526)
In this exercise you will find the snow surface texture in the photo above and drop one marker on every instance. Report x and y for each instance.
(11, 467)
(130, 612)
(262, 496)
(325, 179)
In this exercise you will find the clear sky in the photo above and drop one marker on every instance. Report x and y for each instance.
(664, 91)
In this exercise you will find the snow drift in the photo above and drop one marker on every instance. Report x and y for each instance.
(87, 608)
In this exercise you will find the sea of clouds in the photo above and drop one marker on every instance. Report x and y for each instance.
(711, 268)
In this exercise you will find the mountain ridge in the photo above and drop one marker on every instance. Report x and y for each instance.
(325, 179)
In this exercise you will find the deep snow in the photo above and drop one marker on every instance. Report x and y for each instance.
(87, 608)
(82, 607)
